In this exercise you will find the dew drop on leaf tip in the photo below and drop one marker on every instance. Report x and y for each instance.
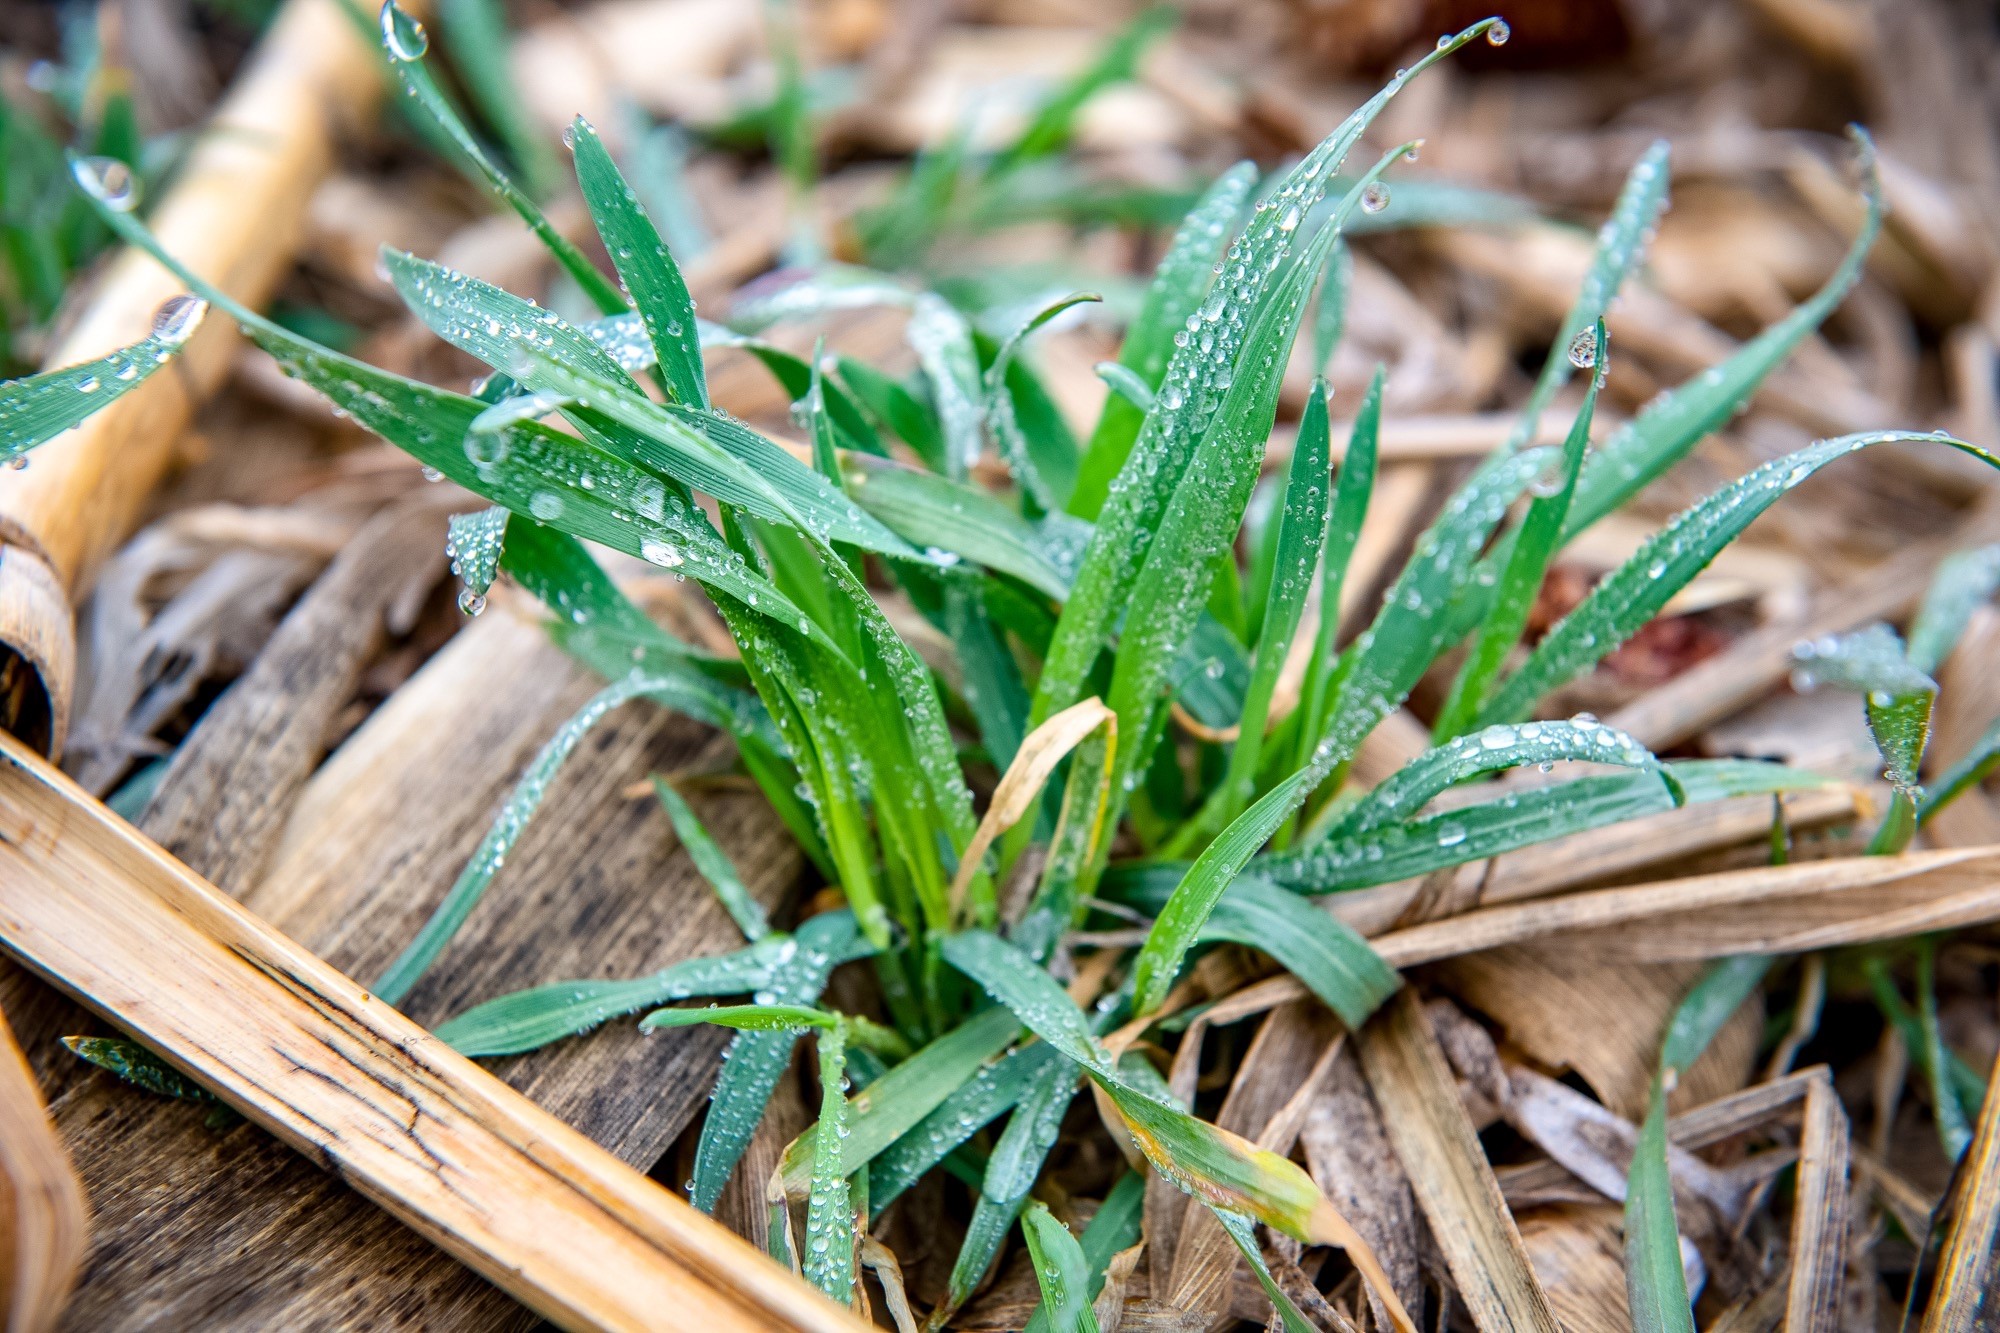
(402, 35)
(178, 317)
(109, 181)
(1583, 349)
(1374, 197)
(1498, 34)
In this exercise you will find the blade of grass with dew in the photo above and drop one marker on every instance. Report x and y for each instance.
(1954, 1133)
(1114, 1227)
(1534, 545)
(896, 1103)
(528, 468)
(36, 409)
(1010, 1173)
(829, 1241)
(405, 42)
(1330, 311)
(1963, 583)
(714, 863)
(1061, 1271)
(1411, 787)
(1388, 659)
(1189, 399)
(1324, 952)
(1243, 1234)
(1200, 521)
(932, 511)
(649, 272)
(529, 1019)
(893, 405)
(1044, 477)
(1053, 444)
(1301, 532)
(1967, 1085)
(1125, 384)
(863, 1034)
(1979, 762)
(794, 375)
(1655, 1284)
(1176, 291)
(464, 894)
(479, 48)
(1899, 700)
(992, 687)
(1352, 489)
(1631, 595)
(976, 1103)
(702, 450)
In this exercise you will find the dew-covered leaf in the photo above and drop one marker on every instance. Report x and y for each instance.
(714, 863)
(745, 1018)
(1352, 490)
(1061, 1271)
(1631, 595)
(1113, 1228)
(1319, 949)
(36, 409)
(829, 1240)
(1045, 479)
(1962, 584)
(1899, 696)
(928, 510)
(975, 1104)
(1011, 1171)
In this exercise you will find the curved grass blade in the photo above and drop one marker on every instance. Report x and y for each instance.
(746, 1018)
(892, 404)
(829, 1244)
(658, 291)
(934, 512)
(406, 43)
(464, 894)
(1061, 1271)
(1126, 384)
(1244, 1235)
(1330, 314)
(1655, 1283)
(1899, 702)
(528, 1019)
(1673, 423)
(1633, 593)
(1038, 479)
(1114, 1227)
(36, 409)
(1321, 950)
(1302, 529)
(714, 864)
(1534, 545)
(1191, 395)
(480, 50)
(1176, 291)
(1979, 762)
(1962, 583)
(1411, 787)
(1010, 1173)
(1388, 659)
(1954, 1132)
(1352, 490)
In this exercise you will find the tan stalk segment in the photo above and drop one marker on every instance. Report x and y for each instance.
(1964, 1295)
(305, 1052)
(1819, 1213)
(44, 1221)
(234, 216)
(1448, 1170)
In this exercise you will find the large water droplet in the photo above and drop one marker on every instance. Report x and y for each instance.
(108, 181)
(402, 36)
(1498, 34)
(177, 318)
(1583, 349)
(1374, 197)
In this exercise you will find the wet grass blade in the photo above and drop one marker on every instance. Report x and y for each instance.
(714, 864)
(1635, 592)
(464, 894)
(1330, 314)
(1352, 490)
(1010, 1173)
(1243, 1234)
(1319, 949)
(1899, 699)
(1954, 1132)
(1962, 584)
(1061, 1270)
(1655, 1283)
(649, 272)
(1113, 1228)
(1534, 545)
(1044, 478)
(1979, 762)
(982, 1099)
(1388, 659)
(928, 510)
(829, 1240)
(36, 409)
(404, 40)
(1175, 292)
(480, 49)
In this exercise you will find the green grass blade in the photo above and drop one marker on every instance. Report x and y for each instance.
(1963, 583)
(1176, 291)
(745, 1018)
(658, 291)
(1674, 422)
(479, 48)
(1389, 657)
(1953, 1131)
(464, 894)
(137, 1065)
(1979, 762)
(1061, 1270)
(1054, 121)
(528, 1019)
(1191, 397)
(1114, 1227)
(714, 864)
(1352, 490)
(1899, 696)
(406, 43)
(1324, 952)
(1534, 546)
(1635, 592)
(1125, 384)
(829, 1240)
(934, 512)
(978, 1102)
(1040, 476)
(1330, 314)
(40, 407)
(892, 404)
(1010, 1173)
(1244, 1235)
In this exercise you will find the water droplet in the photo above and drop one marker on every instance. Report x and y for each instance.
(402, 36)
(659, 553)
(1583, 349)
(432, 474)
(1374, 197)
(88, 384)
(470, 602)
(178, 317)
(108, 181)
(1498, 34)
(18, 462)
